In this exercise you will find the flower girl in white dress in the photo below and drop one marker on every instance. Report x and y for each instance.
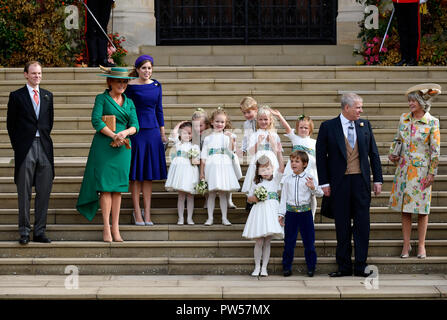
(263, 221)
(218, 166)
(183, 176)
(260, 143)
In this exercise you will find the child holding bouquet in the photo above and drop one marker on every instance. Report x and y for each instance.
(183, 175)
(263, 223)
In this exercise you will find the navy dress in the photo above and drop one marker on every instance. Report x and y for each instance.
(148, 154)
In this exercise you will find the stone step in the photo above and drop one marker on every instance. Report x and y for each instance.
(227, 287)
(249, 72)
(85, 136)
(200, 232)
(164, 199)
(194, 249)
(319, 111)
(203, 266)
(77, 149)
(98, 86)
(74, 166)
(73, 183)
(169, 216)
(233, 96)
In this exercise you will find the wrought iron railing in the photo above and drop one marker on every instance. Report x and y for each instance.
(246, 21)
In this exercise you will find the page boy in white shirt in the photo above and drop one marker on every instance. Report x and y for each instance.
(296, 213)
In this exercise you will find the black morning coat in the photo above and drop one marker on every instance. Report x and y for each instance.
(22, 124)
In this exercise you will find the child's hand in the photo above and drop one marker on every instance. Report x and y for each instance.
(202, 177)
(281, 221)
(261, 138)
(228, 133)
(275, 112)
(310, 183)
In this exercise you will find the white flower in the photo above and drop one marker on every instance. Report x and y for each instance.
(261, 193)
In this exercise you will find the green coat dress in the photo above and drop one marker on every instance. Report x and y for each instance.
(107, 168)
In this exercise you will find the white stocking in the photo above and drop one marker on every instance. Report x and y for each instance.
(211, 203)
(258, 255)
(223, 206)
(181, 206)
(190, 206)
(266, 253)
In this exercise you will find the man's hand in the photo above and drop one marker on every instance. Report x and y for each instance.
(327, 191)
(377, 188)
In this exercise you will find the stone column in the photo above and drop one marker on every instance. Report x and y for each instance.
(350, 12)
(135, 20)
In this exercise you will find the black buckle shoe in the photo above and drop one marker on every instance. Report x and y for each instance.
(24, 240)
(287, 273)
(42, 239)
(338, 274)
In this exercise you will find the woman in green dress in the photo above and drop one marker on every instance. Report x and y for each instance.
(107, 171)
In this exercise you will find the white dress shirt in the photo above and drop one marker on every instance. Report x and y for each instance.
(295, 192)
(345, 123)
(249, 129)
(31, 93)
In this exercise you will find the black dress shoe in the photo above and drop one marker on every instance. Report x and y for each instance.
(24, 239)
(363, 274)
(310, 273)
(287, 273)
(412, 63)
(338, 274)
(93, 65)
(402, 62)
(108, 64)
(42, 239)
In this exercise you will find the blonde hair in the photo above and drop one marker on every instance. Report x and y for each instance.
(266, 110)
(303, 118)
(248, 103)
(219, 111)
(199, 113)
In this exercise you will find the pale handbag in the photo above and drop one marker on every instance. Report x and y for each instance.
(397, 149)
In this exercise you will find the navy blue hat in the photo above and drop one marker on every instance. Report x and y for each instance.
(143, 58)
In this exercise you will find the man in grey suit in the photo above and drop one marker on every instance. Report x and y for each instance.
(29, 122)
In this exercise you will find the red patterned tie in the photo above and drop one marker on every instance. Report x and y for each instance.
(36, 97)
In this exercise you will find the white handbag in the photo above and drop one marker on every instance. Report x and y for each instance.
(397, 150)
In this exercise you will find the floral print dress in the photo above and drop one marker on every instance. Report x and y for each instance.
(419, 157)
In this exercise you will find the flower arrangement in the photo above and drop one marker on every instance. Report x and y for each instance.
(202, 187)
(116, 55)
(261, 193)
(433, 49)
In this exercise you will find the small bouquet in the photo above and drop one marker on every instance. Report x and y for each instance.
(261, 193)
(202, 187)
(194, 154)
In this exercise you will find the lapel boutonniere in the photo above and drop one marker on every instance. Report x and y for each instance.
(361, 124)
(46, 97)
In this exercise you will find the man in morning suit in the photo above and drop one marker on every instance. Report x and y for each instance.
(29, 122)
(344, 150)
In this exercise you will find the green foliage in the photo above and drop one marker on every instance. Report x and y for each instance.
(35, 30)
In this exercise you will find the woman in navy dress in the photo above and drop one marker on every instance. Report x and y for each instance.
(148, 154)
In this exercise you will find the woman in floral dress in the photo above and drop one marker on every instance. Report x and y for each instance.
(417, 164)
